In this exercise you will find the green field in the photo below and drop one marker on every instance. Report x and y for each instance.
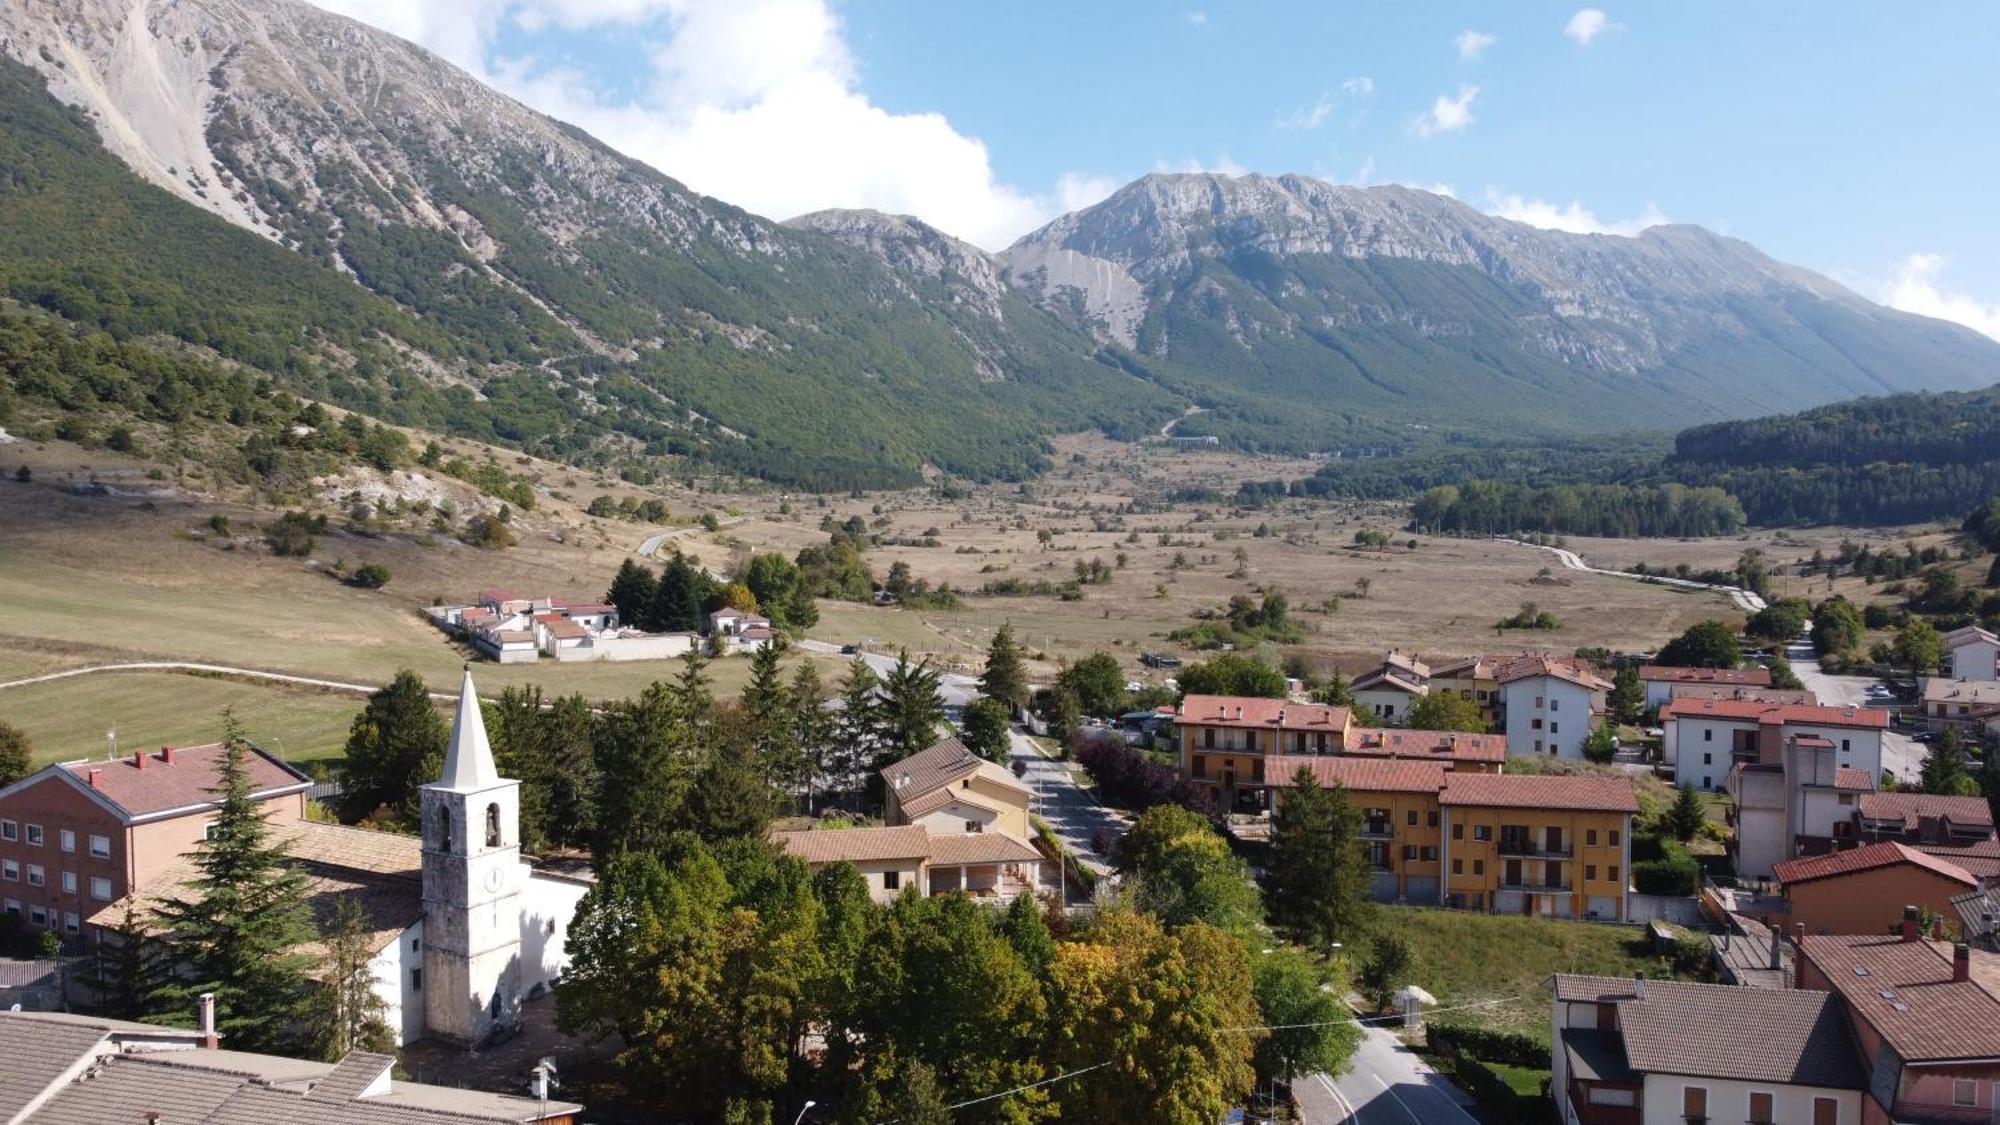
(67, 719)
(1503, 963)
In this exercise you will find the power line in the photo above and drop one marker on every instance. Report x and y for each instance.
(1367, 1019)
(1020, 1089)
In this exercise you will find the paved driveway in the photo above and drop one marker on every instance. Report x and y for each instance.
(1902, 756)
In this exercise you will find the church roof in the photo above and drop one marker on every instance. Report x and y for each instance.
(468, 761)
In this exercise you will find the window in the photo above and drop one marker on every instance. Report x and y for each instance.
(1708, 735)
(1412, 818)
(1428, 855)
(416, 980)
(100, 888)
(1535, 724)
(1760, 1108)
(974, 826)
(1200, 765)
(1458, 867)
(34, 835)
(1409, 851)
(1847, 798)
(1611, 873)
(891, 880)
(100, 846)
(1538, 746)
(68, 839)
(1694, 1102)
(1479, 867)
(1590, 836)
(965, 783)
(1431, 820)
(1614, 837)
(1844, 745)
(36, 876)
(13, 907)
(69, 882)
(1707, 759)
(1458, 831)
(10, 870)
(1208, 738)
(1482, 832)
(208, 830)
(9, 830)
(1826, 1111)
(1555, 727)
(1590, 871)
(38, 916)
(493, 825)
(1964, 1091)
(71, 923)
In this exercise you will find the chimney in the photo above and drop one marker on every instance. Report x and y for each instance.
(138, 759)
(1639, 986)
(1911, 930)
(1239, 710)
(206, 1021)
(167, 755)
(1961, 963)
(96, 779)
(1798, 954)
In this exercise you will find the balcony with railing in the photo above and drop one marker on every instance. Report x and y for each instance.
(1590, 1113)
(1526, 846)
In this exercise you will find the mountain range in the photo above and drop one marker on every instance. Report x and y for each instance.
(327, 203)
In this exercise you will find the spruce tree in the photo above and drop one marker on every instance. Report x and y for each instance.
(395, 746)
(1628, 694)
(1318, 882)
(1945, 769)
(1005, 678)
(812, 729)
(856, 730)
(127, 974)
(237, 928)
(346, 1013)
(912, 709)
(632, 592)
(1685, 816)
(676, 606)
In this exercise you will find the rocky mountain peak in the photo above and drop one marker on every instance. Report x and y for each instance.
(916, 250)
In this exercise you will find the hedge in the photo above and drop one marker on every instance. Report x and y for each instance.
(1509, 1047)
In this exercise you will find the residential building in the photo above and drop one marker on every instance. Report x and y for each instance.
(1479, 753)
(1979, 918)
(735, 630)
(992, 866)
(1742, 694)
(1226, 739)
(82, 1070)
(1925, 1016)
(1389, 690)
(462, 928)
(1705, 738)
(1545, 845)
(514, 629)
(1793, 798)
(1963, 705)
(948, 788)
(1974, 653)
(76, 836)
(1641, 1052)
(1865, 890)
(1924, 819)
(1548, 705)
(1471, 677)
(1660, 680)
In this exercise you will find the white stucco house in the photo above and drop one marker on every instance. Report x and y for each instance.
(1548, 705)
(1975, 653)
(1704, 738)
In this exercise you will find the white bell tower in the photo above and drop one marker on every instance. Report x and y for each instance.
(472, 887)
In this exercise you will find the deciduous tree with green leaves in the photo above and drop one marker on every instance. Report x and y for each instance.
(16, 762)
(1303, 1002)
(983, 729)
(1706, 644)
(1386, 970)
(1446, 710)
(1918, 647)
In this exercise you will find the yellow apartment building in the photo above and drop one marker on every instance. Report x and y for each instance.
(1225, 740)
(1557, 847)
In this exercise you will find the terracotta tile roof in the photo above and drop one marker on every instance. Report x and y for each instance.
(1909, 808)
(951, 850)
(1801, 1038)
(1752, 711)
(1438, 745)
(1539, 791)
(1847, 777)
(923, 804)
(156, 786)
(1464, 668)
(1982, 859)
(1508, 669)
(563, 628)
(1747, 694)
(1363, 775)
(1748, 677)
(1809, 868)
(856, 845)
(1261, 714)
(1905, 991)
(940, 764)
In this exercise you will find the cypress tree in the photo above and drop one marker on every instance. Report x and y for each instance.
(632, 592)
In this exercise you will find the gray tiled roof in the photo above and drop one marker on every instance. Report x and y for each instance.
(37, 1053)
(1801, 1038)
(124, 1088)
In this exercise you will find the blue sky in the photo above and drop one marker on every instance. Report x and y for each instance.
(1859, 140)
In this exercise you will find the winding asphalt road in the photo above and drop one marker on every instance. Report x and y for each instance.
(1070, 809)
(1746, 600)
(1387, 1084)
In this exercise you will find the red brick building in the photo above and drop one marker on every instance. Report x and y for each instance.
(78, 835)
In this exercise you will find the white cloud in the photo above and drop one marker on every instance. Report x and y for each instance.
(1309, 117)
(1586, 25)
(1198, 18)
(1472, 44)
(1573, 217)
(1360, 86)
(1075, 190)
(1221, 166)
(758, 102)
(1447, 114)
(1915, 289)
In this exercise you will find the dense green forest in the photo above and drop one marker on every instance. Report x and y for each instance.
(1871, 462)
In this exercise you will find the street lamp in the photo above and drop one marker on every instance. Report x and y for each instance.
(802, 1112)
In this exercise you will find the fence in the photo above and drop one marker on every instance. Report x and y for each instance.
(1662, 908)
